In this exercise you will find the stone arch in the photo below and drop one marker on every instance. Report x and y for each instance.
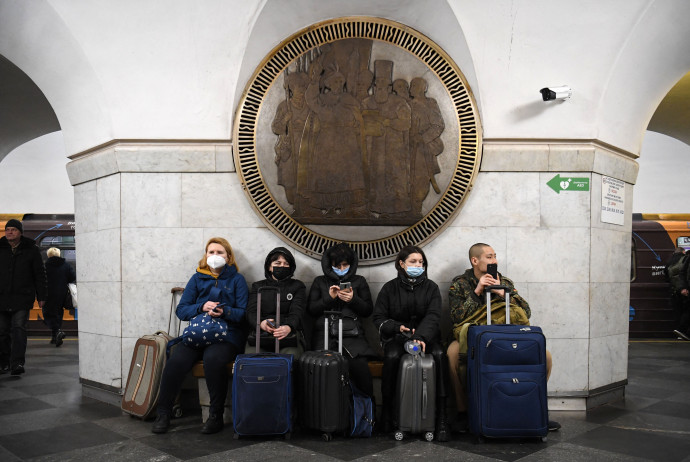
(56, 64)
(278, 20)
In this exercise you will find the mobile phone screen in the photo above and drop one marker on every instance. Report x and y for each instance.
(492, 269)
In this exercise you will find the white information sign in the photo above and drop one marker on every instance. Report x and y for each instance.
(612, 200)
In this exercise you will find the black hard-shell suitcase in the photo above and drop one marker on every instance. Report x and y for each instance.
(262, 387)
(416, 396)
(324, 388)
(506, 375)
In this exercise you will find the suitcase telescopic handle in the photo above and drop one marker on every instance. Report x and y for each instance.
(258, 314)
(487, 291)
(339, 315)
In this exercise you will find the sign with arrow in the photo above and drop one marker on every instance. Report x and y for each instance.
(567, 183)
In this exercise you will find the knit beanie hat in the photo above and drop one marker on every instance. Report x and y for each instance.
(15, 224)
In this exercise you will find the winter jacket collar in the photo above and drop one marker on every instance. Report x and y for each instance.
(24, 242)
(55, 261)
(227, 273)
(410, 283)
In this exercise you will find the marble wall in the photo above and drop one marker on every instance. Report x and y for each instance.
(145, 211)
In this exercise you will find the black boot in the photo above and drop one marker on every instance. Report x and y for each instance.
(213, 424)
(161, 424)
(386, 425)
(442, 430)
(59, 337)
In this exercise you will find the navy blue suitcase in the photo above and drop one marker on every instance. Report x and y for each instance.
(262, 388)
(506, 375)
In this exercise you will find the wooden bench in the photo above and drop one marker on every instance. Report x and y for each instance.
(375, 368)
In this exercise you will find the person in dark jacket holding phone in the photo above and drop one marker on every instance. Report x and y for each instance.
(339, 265)
(279, 268)
(409, 307)
(217, 288)
(59, 274)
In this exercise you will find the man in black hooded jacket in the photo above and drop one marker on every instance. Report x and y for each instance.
(22, 280)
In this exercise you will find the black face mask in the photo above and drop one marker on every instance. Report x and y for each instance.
(281, 272)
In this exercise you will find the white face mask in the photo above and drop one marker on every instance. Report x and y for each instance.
(215, 261)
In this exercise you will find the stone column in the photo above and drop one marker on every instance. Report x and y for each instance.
(572, 268)
(143, 212)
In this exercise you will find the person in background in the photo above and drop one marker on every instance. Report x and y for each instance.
(339, 265)
(22, 280)
(409, 307)
(676, 272)
(217, 288)
(59, 273)
(279, 268)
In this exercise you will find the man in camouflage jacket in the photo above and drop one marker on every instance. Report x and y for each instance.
(466, 297)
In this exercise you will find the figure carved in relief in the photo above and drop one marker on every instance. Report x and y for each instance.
(425, 142)
(330, 175)
(387, 123)
(354, 146)
(288, 124)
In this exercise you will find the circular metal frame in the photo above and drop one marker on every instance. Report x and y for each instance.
(469, 130)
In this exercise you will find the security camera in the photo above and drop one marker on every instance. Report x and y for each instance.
(550, 93)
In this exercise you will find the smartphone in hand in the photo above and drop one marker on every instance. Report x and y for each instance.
(492, 269)
(345, 285)
(270, 323)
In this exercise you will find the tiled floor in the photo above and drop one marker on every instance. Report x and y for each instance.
(44, 417)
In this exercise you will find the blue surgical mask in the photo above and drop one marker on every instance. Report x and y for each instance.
(414, 271)
(340, 272)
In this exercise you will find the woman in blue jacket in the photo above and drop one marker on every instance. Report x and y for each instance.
(219, 290)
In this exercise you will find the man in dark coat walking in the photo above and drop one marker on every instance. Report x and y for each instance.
(22, 280)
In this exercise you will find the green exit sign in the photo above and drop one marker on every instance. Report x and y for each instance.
(568, 183)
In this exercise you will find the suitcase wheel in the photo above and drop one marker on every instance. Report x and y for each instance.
(543, 439)
(398, 435)
(429, 436)
(235, 436)
(177, 412)
(326, 437)
(287, 436)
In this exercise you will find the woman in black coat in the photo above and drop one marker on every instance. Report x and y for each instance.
(59, 273)
(339, 265)
(409, 307)
(279, 268)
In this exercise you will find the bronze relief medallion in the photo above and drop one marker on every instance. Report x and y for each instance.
(359, 130)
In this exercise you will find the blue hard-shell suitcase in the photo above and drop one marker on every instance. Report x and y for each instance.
(506, 374)
(262, 388)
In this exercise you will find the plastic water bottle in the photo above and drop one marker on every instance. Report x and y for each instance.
(412, 347)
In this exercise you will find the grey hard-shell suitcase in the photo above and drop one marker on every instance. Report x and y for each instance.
(416, 396)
